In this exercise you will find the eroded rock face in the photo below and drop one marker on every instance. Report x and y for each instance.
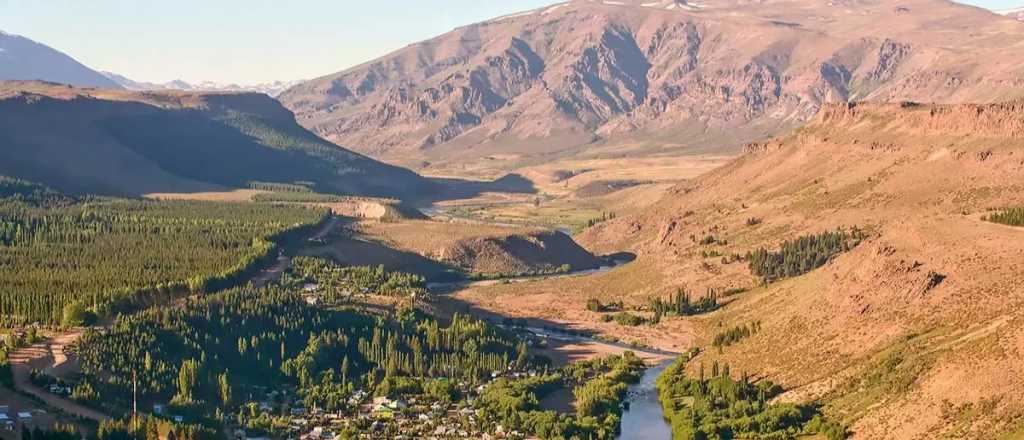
(588, 70)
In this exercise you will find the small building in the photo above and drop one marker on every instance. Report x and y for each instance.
(24, 416)
(178, 419)
(158, 409)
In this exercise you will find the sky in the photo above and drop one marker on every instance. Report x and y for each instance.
(248, 41)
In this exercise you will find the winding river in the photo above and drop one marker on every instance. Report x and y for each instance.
(643, 420)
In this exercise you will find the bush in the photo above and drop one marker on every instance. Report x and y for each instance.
(77, 315)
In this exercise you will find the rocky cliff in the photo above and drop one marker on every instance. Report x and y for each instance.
(718, 72)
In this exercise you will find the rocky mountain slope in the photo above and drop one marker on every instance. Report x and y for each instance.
(125, 143)
(24, 59)
(717, 72)
(916, 333)
(272, 88)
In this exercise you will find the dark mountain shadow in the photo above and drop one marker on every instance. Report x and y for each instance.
(448, 188)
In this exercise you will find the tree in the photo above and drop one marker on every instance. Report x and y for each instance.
(188, 378)
(225, 389)
(76, 315)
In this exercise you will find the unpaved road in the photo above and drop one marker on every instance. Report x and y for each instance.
(285, 261)
(49, 357)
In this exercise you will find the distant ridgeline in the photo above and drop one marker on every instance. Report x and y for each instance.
(68, 260)
(126, 143)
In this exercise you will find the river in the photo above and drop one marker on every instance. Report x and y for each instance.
(643, 420)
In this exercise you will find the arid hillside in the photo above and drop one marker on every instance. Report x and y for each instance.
(574, 77)
(83, 140)
(915, 333)
(485, 250)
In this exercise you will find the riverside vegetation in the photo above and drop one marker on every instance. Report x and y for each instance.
(719, 406)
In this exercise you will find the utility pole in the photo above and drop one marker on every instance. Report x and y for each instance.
(135, 399)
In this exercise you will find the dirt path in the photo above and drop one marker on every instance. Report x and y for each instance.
(49, 357)
(285, 261)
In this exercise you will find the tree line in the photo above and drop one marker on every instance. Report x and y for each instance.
(1011, 217)
(69, 262)
(599, 387)
(719, 406)
(802, 255)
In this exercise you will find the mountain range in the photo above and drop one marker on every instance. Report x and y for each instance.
(718, 72)
(272, 88)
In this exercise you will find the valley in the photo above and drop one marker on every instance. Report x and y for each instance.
(592, 220)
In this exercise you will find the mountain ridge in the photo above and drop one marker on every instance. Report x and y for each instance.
(83, 140)
(718, 72)
(22, 58)
(271, 88)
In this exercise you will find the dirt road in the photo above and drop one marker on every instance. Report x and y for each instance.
(285, 261)
(49, 356)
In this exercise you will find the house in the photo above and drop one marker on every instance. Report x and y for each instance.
(311, 287)
(24, 416)
(158, 409)
(178, 419)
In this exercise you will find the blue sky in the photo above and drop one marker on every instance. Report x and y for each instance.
(247, 41)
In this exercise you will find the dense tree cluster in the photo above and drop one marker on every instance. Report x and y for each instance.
(721, 407)
(802, 255)
(275, 187)
(30, 193)
(144, 427)
(199, 356)
(298, 197)
(680, 304)
(599, 387)
(96, 255)
(1012, 217)
(335, 282)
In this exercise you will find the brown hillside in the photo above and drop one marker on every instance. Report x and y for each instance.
(85, 140)
(485, 249)
(712, 73)
(916, 333)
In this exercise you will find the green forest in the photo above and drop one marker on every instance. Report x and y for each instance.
(212, 354)
(67, 260)
(719, 406)
(599, 388)
(802, 255)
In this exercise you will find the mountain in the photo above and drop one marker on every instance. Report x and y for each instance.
(907, 332)
(718, 72)
(1017, 13)
(272, 88)
(24, 59)
(130, 143)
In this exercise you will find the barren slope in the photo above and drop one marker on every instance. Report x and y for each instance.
(718, 72)
(485, 249)
(916, 333)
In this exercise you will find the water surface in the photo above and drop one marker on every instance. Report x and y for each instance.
(643, 420)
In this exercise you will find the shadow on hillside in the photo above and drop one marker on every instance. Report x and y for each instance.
(449, 188)
(349, 249)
